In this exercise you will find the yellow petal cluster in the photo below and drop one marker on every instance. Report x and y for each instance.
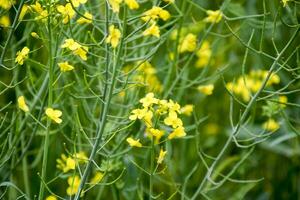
(271, 125)
(187, 109)
(206, 89)
(152, 30)
(66, 11)
(22, 55)
(115, 5)
(54, 115)
(213, 16)
(65, 66)
(203, 54)
(87, 19)
(73, 183)
(133, 143)
(114, 36)
(22, 104)
(161, 156)
(4, 21)
(132, 4)
(76, 48)
(189, 43)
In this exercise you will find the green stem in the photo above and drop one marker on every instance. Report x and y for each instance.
(50, 100)
(151, 168)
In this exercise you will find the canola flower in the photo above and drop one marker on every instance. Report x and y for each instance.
(4, 21)
(271, 125)
(152, 30)
(114, 36)
(133, 143)
(213, 16)
(282, 100)
(35, 35)
(250, 83)
(65, 66)
(156, 13)
(22, 55)
(37, 7)
(6, 4)
(115, 5)
(132, 4)
(169, 1)
(66, 164)
(54, 115)
(66, 11)
(73, 183)
(189, 43)
(23, 11)
(51, 197)
(187, 109)
(77, 3)
(284, 2)
(204, 54)
(76, 48)
(98, 176)
(161, 156)
(22, 104)
(87, 19)
(166, 111)
(206, 89)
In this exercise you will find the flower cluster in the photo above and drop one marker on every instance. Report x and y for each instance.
(250, 83)
(22, 55)
(68, 163)
(114, 36)
(76, 48)
(156, 114)
(213, 16)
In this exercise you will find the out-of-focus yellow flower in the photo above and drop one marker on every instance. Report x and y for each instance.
(88, 18)
(132, 4)
(6, 4)
(206, 89)
(115, 5)
(4, 21)
(211, 128)
(187, 109)
(189, 43)
(148, 100)
(133, 143)
(213, 16)
(98, 176)
(37, 7)
(67, 12)
(35, 35)
(284, 2)
(51, 197)
(76, 48)
(22, 104)
(169, 1)
(203, 54)
(156, 133)
(22, 55)
(161, 156)
(54, 115)
(271, 125)
(152, 30)
(114, 36)
(282, 100)
(173, 120)
(65, 66)
(177, 133)
(138, 114)
(155, 13)
(76, 3)
(65, 163)
(73, 183)
(23, 11)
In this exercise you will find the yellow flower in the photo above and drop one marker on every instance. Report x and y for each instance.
(22, 55)
(213, 16)
(188, 44)
(6, 4)
(173, 106)
(173, 120)
(22, 104)
(65, 66)
(148, 100)
(283, 100)
(35, 35)
(76, 3)
(284, 2)
(133, 143)
(132, 4)
(169, 1)
(51, 197)
(39, 9)
(80, 157)
(271, 125)
(76, 48)
(161, 156)
(187, 109)
(138, 114)
(5, 21)
(115, 4)
(98, 176)
(156, 133)
(65, 163)
(114, 36)
(54, 115)
(203, 54)
(152, 30)
(206, 89)
(23, 11)
(73, 183)
(177, 133)
(88, 18)
(155, 13)
(67, 12)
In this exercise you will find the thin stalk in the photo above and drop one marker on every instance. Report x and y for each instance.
(50, 101)
(151, 169)
(105, 112)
